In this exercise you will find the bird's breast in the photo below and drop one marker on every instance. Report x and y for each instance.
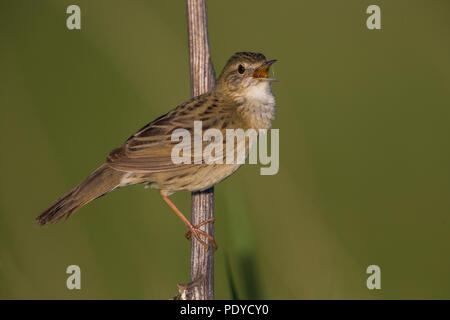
(259, 106)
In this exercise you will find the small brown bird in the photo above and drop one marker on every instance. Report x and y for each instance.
(241, 99)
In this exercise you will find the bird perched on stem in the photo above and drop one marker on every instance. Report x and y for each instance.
(241, 99)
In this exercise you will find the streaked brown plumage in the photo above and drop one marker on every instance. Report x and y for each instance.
(242, 98)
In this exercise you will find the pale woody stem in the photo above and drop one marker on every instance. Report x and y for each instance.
(202, 80)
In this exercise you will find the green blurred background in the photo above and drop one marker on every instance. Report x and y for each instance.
(364, 140)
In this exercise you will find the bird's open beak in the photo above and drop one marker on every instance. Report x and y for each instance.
(262, 71)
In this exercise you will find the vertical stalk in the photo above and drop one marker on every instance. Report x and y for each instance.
(202, 80)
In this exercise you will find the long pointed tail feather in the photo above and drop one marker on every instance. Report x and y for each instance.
(100, 182)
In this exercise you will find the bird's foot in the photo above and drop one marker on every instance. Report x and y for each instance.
(196, 231)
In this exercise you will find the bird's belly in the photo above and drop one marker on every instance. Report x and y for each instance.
(194, 178)
(213, 174)
(203, 176)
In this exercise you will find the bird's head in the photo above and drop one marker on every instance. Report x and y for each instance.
(244, 72)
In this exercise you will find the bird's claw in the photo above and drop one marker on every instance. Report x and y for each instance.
(196, 231)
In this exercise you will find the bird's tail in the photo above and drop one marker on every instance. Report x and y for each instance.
(100, 182)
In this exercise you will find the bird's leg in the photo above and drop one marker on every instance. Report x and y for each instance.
(193, 230)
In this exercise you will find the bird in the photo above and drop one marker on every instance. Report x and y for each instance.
(242, 98)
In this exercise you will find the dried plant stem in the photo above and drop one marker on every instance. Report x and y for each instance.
(202, 80)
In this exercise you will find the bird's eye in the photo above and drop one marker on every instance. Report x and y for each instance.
(241, 69)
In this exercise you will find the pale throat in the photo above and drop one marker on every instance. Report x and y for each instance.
(259, 105)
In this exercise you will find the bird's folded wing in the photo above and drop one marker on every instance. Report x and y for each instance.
(150, 149)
